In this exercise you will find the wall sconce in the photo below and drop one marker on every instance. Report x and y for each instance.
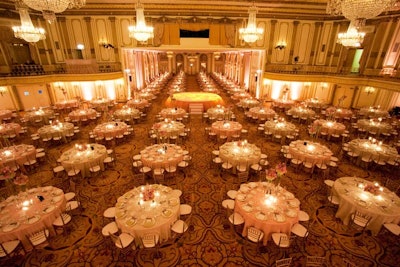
(369, 90)
(80, 46)
(3, 90)
(280, 45)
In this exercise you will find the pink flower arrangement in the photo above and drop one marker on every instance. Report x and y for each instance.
(277, 172)
(371, 188)
(7, 172)
(148, 194)
(21, 179)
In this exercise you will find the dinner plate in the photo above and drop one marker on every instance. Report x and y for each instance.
(244, 188)
(261, 216)
(240, 197)
(57, 192)
(120, 214)
(33, 219)
(288, 195)
(279, 217)
(294, 203)
(247, 208)
(10, 227)
(56, 199)
(173, 201)
(252, 185)
(49, 209)
(291, 213)
(131, 222)
(167, 213)
(149, 222)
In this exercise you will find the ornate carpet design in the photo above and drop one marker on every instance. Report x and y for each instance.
(210, 240)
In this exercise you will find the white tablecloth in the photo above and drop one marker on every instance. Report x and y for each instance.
(227, 128)
(262, 113)
(41, 114)
(373, 112)
(309, 151)
(137, 217)
(83, 158)
(60, 129)
(110, 129)
(383, 207)
(374, 126)
(282, 128)
(168, 128)
(137, 103)
(9, 128)
(330, 127)
(249, 103)
(301, 112)
(161, 155)
(173, 113)
(239, 152)
(338, 112)
(127, 113)
(17, 155)
(365, 148)
(82, 114)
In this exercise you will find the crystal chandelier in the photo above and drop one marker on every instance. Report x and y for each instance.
(358, 10)
(140, 32)
(351, 38)
(251, 33)
(27, 31)
(50, 7)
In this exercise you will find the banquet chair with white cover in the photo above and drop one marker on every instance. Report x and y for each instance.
(180, 226)
(111, 227)
(303, 216)
(109, 213)
(232, 194)
(7, 249)
(283, 262)
(393, 228)
(94, 169)
(110, 160)
(185, 209)
(61, 221)
(315, 261)
(282, 240)
(151, 241)
(242, 177)
(39, 237)
(300, 231)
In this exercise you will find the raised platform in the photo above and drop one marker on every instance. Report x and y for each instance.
(185, 99)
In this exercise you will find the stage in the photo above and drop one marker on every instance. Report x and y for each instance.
(183, 100)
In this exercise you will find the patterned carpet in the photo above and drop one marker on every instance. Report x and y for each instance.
(210, 240)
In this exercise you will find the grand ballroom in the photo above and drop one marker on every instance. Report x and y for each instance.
(200, 133)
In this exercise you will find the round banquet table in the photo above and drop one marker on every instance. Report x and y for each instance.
(301, 112)
(239, 152)
(272, 213)
(137, 103)
(73, 103)
(24, 214)
(82, 114)
(126, 114)
(137, 215)
(309, 151)
(185, 99)
(41, 114)
(227, 128)
(82, 157)
(282, 128)
(17, 155)
(172, 113)
(5, 114)
(262, 113)
(338, 112)
(331, 127)
(373, 150)
(383, 206)
(281, 103)
(168, 128)
(161, 155)
(374, 126)
(373, 112)
(314, 103)
(249, 103)
(9, 128)
(110, 129)
(146, 95)
(240, 96)
(101, 103)
(61, 129)
(219, 112)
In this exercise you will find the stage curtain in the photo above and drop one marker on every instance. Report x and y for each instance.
(171, 34)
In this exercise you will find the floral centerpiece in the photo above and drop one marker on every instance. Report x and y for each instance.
(148, 193)
(7, 173)
(276, 173)
(374, 188)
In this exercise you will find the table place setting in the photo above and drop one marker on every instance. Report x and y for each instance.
(150, 206)
(162, 155)
(368, 197)
(239, 152)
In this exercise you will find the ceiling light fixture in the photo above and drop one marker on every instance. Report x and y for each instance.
(140, 32)
(50, 7)
(358, 10)
(27, 31)
(251, 33)
(351, 38)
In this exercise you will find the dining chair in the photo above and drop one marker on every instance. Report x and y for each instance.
(315, 261)
(110, 227)
(300, 231)
(393, 228)
(255, 235)
(242, 177)
(151, 241)
(185, 209)
(123, 242)
(283, 262)
(94, 169)
(180, 226)
(232, 194)
(61, 222)
(109, 213)
(109, 160)
(39, 237)
(282, 240)
(7, 249)
(359, 220)
(303, 216)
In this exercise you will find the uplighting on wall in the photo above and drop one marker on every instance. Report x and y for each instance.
(3, 90)
(369, 90)
(280, 45)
